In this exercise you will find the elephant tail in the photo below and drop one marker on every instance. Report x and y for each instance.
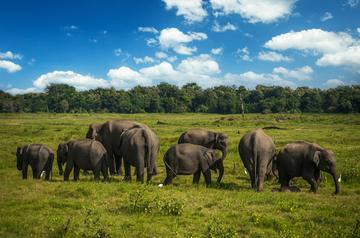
(148, 163)
(255, 161)
(51, 157)
(274, 166)
(181, 138)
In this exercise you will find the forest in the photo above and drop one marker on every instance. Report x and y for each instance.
(62, 98)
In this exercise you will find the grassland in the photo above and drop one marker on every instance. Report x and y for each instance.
(122, 209)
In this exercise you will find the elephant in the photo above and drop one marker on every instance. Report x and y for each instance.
(83, 154)
(257, 152)
(109, 134)
(306, 160)
(139, 148)
(186, 159)
(208, 139)
(38, 156)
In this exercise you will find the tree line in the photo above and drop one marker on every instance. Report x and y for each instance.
(62, 98)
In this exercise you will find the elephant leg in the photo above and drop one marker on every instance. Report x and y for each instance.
(76, 173)
(118, 164)
(196, 177)
(261, 178)
(127, 166)
(139, 175)
(36, 172)
(97, 174)
(112, 161)
(312, 182)
(169, 177)
(284, 183)
(252, 178)
(24, 170)
(48, 171)
(68, 168)
(207, 176)
(104, 172)
(317, 176)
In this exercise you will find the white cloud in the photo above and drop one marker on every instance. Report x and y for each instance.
(352, 3)
(145, 60)
(80, 82)
(337, 49)
(191, 10)
(254, 11)
(244, 54)
(217, 51)
(301, 74)
(151, 42)
(10, 55)
(161, 55)
(349, 57)
(93, 40)
(172, 58)
(326, 16)
(9, 66)
(313, 39)
(177, 40)
(71, 27)
(118, 52)
(333, 83)
(202, 64)
(273, 56)
(148, 29)
(126, 78)
(251, 79)
(15, 91)
(358, 30)
(228, 27)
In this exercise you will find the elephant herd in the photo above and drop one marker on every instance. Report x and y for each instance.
(198, 152)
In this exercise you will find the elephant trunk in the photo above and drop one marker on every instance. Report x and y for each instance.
(224, 152)
(337, 186)
(221, 171)
(19, 163)
(60, 167)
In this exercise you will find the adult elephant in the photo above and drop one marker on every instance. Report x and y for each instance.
(139, 148)
(211, 140)
(186, 159)
(83, 154)
(306, 160)
(257, 151)
(38, 156)
(109, 134)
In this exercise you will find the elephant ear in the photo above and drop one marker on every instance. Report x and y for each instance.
(316, 158)
(207, 160)
(19, 150)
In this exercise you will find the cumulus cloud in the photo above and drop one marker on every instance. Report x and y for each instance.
(9, 66)
(337, 49)
(148, 29)
(326, 16)
(10, 55)
(192, 11)
(228, 27)
(217, 51)
(202, 64)
(301, 74)
(161, 55)
(151, 42)
(16, 91)
(251, 79)
(244, 54)
(273, 56)
(79, 81)
(352, 3)
(175, 39)
(255, 11)
(333, 83)
(145, 60)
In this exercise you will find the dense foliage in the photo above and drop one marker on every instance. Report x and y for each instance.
(189, 98)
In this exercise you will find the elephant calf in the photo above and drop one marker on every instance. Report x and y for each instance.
(257, 151)
(38, 156)
(83, 154)
(304, 159)
(208, 139)
(186, 159)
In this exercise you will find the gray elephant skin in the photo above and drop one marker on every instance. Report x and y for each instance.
(257, 151)
(208, 139)
(109, 134)
(187, 159)
(83, 154)
(38, 156)
(306, 160)
(139, 147)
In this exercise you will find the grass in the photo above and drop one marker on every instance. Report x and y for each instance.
(127, 209)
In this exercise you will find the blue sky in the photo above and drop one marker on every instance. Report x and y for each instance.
(121, 44)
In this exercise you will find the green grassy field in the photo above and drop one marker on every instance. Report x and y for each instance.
(127, 209)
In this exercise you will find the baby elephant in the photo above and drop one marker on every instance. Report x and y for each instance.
(304, 159)
(38, 156)
(185, 159)
(83, 154)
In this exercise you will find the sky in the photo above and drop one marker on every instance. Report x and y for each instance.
(122, 44)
